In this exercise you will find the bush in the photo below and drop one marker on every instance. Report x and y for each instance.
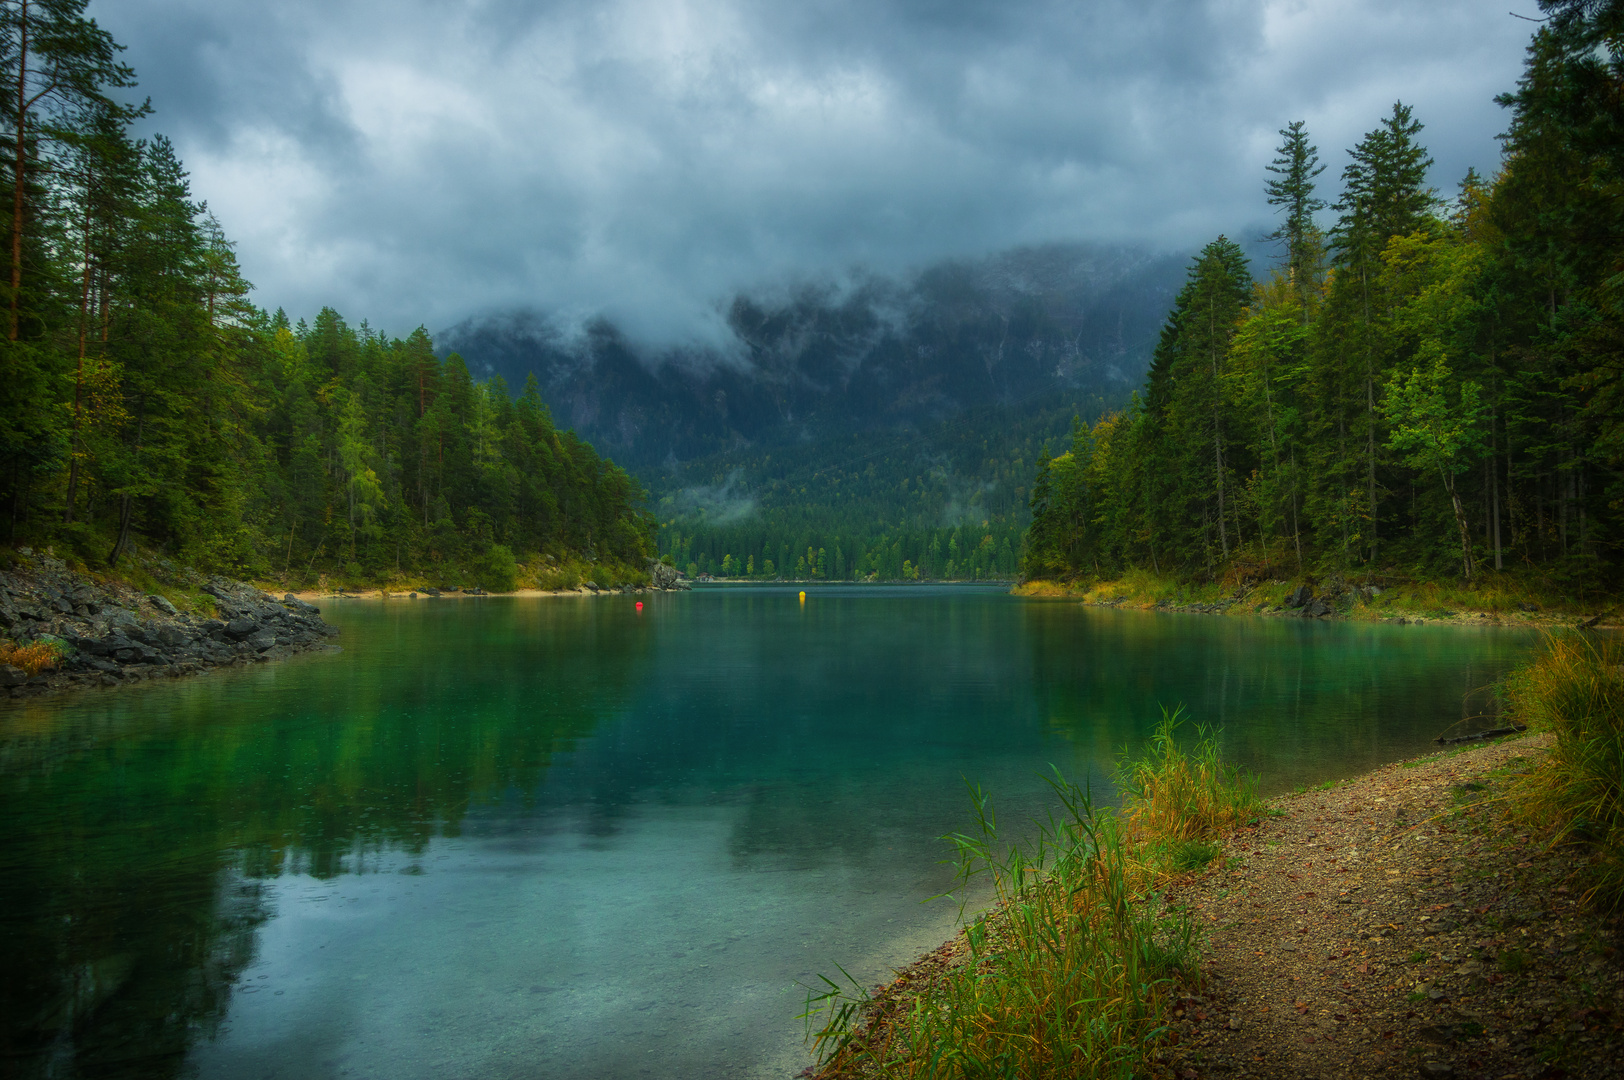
(34, 657)
(1575, 690)
(496, 570)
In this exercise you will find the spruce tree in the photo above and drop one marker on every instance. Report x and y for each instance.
(1292, 190)
(1384, 195)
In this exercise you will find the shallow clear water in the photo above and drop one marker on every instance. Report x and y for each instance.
(556, 837)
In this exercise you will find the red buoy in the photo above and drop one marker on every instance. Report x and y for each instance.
(640, 605)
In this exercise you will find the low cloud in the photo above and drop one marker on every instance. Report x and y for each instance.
(726, 503)
(420, 162)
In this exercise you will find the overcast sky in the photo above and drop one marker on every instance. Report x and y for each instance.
(418, 161)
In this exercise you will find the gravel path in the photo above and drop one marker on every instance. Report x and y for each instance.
(1398, 924)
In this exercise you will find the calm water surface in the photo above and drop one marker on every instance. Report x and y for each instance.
(558, 838)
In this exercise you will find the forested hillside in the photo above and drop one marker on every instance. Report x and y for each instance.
(1430, 388)
(947, 501)
(144, 400)
(890, 423)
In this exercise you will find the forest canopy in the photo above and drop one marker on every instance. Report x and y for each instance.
(145, 400)
(1428, 388)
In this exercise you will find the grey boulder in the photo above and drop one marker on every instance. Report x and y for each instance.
(241, 627)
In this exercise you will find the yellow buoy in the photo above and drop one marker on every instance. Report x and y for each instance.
(803, 596)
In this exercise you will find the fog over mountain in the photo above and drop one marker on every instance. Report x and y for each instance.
(868, 353)
(421, 161)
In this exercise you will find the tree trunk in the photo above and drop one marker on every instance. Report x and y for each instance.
(126, 511)
(1370, 418)
(1461, 523)
(20, 166)
(1217, 427)
(1494, 501)
(79, 370)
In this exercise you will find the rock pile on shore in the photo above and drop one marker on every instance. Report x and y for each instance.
(665, 578)
(114, 633)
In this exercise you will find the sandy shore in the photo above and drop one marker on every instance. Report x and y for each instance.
(1396, 924)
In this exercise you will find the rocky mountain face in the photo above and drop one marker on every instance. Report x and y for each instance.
(873, 354)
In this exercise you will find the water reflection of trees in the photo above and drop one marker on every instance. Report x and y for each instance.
(138, 826)
(1296, 701)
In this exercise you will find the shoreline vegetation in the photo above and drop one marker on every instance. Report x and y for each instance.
(1398, 601)
(1456, 914)
(1071, 971)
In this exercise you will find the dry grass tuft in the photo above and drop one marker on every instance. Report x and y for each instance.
(1575, 690)
(32, 658)
(1173, 797)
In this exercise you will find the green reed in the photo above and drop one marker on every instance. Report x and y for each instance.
(1070, 973)
(1178, 802)
(1068, 976)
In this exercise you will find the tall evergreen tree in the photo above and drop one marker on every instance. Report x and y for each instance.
(54, 62)
(1384, 195)
(1291, 189)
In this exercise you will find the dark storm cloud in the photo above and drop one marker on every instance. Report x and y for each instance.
(418, 161)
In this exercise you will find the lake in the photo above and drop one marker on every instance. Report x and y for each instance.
(508, 837)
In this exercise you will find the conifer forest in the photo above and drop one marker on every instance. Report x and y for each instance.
(1429, 388)
(144, 400)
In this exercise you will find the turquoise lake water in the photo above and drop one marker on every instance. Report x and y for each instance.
(556, 837)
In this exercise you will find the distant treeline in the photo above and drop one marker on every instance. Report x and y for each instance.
(946, 502)
(1430, 389)
(766, 551)
(142, 398)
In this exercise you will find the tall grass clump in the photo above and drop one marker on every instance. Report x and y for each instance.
(1177, 802)
(1575, 690)
(1071, 973)
(1068, 977)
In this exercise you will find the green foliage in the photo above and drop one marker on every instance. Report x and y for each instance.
(495, 570)
(1446, 398)
(1292, 190)
(145, 402)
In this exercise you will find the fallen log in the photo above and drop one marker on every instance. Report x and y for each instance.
(1490, 734)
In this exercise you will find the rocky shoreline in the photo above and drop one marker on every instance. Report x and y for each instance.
(113, 634)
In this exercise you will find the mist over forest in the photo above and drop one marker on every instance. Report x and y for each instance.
(869, 353)
(876, 414)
